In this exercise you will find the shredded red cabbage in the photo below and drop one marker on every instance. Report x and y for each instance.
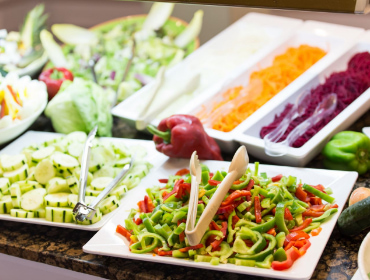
(348, 85)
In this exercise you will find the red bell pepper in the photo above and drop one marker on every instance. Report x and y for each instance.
(163, 181)
(294, 236)
(305, 224)
(175, 189)
(183, 250)
(271, 231)
(303, 249)
(277, 178)
(138, 221)
(287, 215)
(292, 255)
(226, 209)
(124, 232)
(215, 244)
(164, 253)
(317, 208)
(311, 213)
(54, 78)
(316, 231)
(257, 209)
(182, 172)
(235, 219)
(235, 195)
(301, 194)
(180, 135)
(214, 226)
(213, 182)
(315, 200)
(146, 205)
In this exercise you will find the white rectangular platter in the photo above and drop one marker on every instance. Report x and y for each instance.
(33, 137)
(248, 133)
(213, 60)
(108, 242)
(334, 39)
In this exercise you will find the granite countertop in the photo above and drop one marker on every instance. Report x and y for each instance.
(63, 247)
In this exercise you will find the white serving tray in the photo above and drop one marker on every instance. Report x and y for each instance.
(249, 132)
(33, 137)
(218, 50)
(335, 39)
(108, 242)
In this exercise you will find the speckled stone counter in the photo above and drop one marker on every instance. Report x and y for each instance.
(63, 247)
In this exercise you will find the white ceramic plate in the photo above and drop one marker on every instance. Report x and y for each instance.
(107, 242)
(33, 137)
(214, 60)
(248, 134)
(364, 258)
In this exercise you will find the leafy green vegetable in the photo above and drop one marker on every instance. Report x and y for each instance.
(79, 106)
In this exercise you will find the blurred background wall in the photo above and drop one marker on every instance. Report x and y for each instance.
(90, 12)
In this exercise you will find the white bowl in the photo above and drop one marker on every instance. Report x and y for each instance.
(363, 258)
(14, 130)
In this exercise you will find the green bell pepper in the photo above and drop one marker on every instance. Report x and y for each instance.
(262, 228)
(280, 255)
(263, 254)
(279, 215)
(266, 263)
(349, 151)
(256, 237)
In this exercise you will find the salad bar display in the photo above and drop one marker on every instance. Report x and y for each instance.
(282, 90)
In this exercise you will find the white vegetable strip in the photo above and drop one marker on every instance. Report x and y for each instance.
(53, 50)
(191, 32)
(158, 15)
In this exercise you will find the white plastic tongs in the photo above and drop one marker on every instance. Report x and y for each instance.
(81, 210)
(237, 168)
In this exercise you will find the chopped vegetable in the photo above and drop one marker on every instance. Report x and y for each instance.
(53, 79)
(358, 195)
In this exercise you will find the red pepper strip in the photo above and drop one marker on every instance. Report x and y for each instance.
(257, 209)
(237, 182)
(250, 185)
(294, 236)
(226, 209)
(200, 202)
(164, 253)
(138, 221)
(142, 208)
(277, 178)
(315, 200)
(287, 215)
(148, 204)
(183, 250)
(300, 243)
(175, 189)
(19, 101)
(163, 181)
(292, 255)
(304, 248)
(215, 244)
(2, 112)
(274, 211)
(182, 172)
(289, 245)
(213, 182)
(155, 250)
(210, 174)
(301, 194)
(272, 231)
(183, 189)
(317, 208)
(164, 194)
(316, 231)
(235, 219)
(319, 187)
(248, 242)
(305, 224)
(124, 232)
(214, 226)
(334, 206)
(234, 196)
(312, 213)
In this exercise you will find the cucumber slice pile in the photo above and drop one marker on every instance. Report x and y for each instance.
(43, 181)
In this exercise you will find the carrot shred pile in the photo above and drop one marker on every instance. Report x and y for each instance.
(240, 102)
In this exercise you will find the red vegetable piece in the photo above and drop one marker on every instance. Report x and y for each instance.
(235, 195)
(225, 209)
(294, 236)
(183, 250)
(124, 232)
(287, 215)
(182, 172)
(292, 255)
(277, 178)
(305, 224)
(311, 213)
(164, 253)
(163, 181)
(215, 244)
(213, 182)
(257, 209)
(301, 194)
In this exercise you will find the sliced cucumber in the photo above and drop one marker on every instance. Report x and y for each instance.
(105, 171)
(33, 200)
(100, 183)
(72, 200)
(6, 204)
(44, 171)
(31, 173)
(77, 173)
(109, 204)
(28, 154)
(39, 213)
(52, 142)
(21, 213)
(72, 183)
(130, 181)
(59, 215)
(118, 191)
(122, 162)
(11, 163)
(91, 192)
(57, 185)
(138, 151)
(140, 170)
(28, 185)
(15, 194)
(57, 199)
(17, 175)
(75, 149)
(97, 217)
(63, 161)
(4, 185)
(77, 136)
(43, 153)
(121, 149)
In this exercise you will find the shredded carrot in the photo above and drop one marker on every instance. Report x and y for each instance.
(240, 102)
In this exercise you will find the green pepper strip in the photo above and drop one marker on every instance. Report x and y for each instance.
(280, 255)
(303, 204)
(205, 199)
(130, 225)
(135, 247)
(250, 216)
(241, 185)
(225, 252)
(244, 206)
(156, 216)
(280, 238)
(287, 194)
(179, 229)
(178, 254)
(167, 218)
(279, 215)
(318, 193)
(208, 193)
(263, 192)
(243, 222)
(327, 214)
(266, 263)
(218, 176)
(278, 196)
(178, 216)
(166, 208)
(256, 165)
(261, 255)
(205, 177)
(311, 227)
(208, 234)
(148, 225)
(230, 229)
(266, 211)
(201, 258)
(262, 228)
(256, 237)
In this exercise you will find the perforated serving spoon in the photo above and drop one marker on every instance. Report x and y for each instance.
(237, 168)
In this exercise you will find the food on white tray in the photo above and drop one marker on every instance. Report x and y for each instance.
(42, 181)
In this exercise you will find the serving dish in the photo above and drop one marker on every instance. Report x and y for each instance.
(214, 56)
(364, 258)
(107, 242)
(248, 133)
(39, 137)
